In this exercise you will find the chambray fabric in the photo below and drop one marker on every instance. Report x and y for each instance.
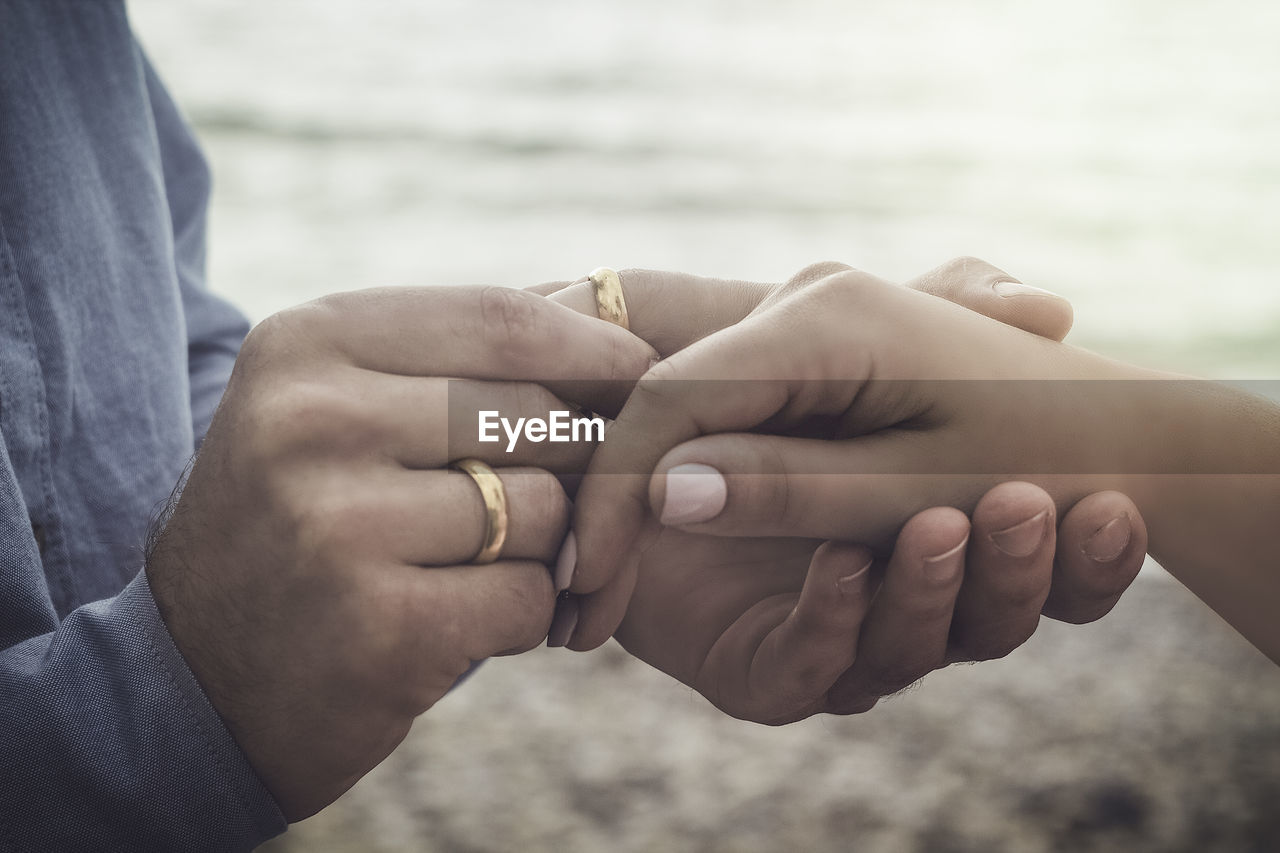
(113, 356)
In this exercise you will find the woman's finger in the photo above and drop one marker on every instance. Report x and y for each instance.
(672, 310)
(1102, 543)
(599, 614)
(1008, 570)
(904, 636)
(981, 287)
(745, 484)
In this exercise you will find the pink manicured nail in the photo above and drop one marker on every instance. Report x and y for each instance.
(1017, 288)
(1022, 539)
(695, 493)
(564, 621)
(566, 562)
(851, 584)
(947, 564)
(1109, 541)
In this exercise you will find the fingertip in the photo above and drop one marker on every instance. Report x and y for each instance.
(842, 569)
(1017, 519)
(588, 631)
(1102, 544)
(608, 519)
(1032, 309)
(931, 534)
(563, 621)
(600, 613)
(688, 493)
(1009, 503)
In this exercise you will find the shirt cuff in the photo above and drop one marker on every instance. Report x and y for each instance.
(231, 769)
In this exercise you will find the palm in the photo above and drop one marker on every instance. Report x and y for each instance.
(702, 609)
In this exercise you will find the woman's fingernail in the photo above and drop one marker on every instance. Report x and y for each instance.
(947, 564)
(566, 562)
(1017, 288)
(695, 493)
(564, 620)
(1023, 538)
(852, 584)
(1110, 540)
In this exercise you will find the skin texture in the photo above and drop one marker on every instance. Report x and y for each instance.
(310, 573)
(908, 444)
(725, 615)
(314, 570)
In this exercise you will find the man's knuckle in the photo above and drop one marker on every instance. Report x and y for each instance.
(969, 269)
(333, 522)
(963, 265)
(542, 492)
(303, 417)
(264, 338)
(815, 272)
(847, 290)
(305, 405)
(290, 333)
(512, 323)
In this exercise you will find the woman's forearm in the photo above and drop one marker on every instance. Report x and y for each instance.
(1210, 494)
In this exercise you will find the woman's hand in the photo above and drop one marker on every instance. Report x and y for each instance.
(695, 594)
(674, 311)
(315, 573)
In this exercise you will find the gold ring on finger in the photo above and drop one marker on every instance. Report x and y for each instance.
(610, 304)
(494, 495)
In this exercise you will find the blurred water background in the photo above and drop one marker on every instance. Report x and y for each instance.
(1126, 155)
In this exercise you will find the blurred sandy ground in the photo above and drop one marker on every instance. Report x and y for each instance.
(1126, 155)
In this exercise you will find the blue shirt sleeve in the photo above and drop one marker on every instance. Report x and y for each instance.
(109, 744)
(214, 328)
(113, 356)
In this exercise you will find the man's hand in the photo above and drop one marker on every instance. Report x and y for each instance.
(315, 571)
(777, 629)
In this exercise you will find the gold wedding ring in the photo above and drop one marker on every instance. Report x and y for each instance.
(610, 304)
(494, 496)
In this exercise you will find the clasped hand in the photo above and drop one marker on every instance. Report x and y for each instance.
(314, 571)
